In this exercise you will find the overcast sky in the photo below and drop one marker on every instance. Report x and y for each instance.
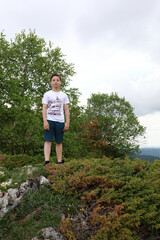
(114, 44)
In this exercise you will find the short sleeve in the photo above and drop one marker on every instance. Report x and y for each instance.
(66, 100)
(45, 99)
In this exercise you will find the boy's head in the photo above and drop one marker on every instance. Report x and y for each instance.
(55, 75)
(55, 81)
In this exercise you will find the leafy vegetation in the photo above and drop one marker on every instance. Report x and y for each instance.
(120, 198)
(26, 64)
(117, 126)
(88, 199)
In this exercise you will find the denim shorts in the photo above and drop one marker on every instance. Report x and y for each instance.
(55, 131)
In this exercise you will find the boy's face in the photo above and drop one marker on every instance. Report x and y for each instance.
(55, 82)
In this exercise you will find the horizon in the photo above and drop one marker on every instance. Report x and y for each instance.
(151, 147)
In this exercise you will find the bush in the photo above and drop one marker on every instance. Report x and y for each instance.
(120, 198)
(3, 157)
(14, 161)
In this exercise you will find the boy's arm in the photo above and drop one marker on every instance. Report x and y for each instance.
(66, 109)
(44, 113)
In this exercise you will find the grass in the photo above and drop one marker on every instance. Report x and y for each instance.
(20, 175)
(39, 209)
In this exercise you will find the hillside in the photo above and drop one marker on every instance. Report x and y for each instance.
(94, 199)
(150, 151)
(149, 154)
(147, 157)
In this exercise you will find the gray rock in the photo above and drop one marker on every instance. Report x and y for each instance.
(14, 195)
(4, 204)
(50, 232)
(43, 180)
(29, 184)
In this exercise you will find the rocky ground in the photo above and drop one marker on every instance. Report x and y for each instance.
(12, 197)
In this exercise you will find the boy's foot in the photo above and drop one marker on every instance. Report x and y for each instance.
(60, 162)
(45, 163)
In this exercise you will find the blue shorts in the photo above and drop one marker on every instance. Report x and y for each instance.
(55, 130)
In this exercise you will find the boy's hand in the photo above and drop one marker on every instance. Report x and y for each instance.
(66, 127)
(46, 126)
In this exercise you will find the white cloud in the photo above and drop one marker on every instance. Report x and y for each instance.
(48, 17)
(127, 22)
(146, 94)
(131, 74)
(152, 124)
(142, 91)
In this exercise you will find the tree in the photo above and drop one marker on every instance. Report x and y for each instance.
(118, 126)
(26, 64)
(73, 141)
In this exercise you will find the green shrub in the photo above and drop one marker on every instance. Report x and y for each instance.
(120, 197)
(101, 199)
(14, 161)
(3, 157)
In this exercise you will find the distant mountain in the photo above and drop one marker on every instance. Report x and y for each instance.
(150, 151)
(147, 157)
(149, 154)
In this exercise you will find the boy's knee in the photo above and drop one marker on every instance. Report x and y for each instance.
(58, 143)
(48, 142)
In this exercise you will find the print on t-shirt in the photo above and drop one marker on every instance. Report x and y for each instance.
(54, 107)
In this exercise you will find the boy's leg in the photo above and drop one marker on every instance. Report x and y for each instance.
(59, 151)
(59, 138)
(47, 150)
(48, 138)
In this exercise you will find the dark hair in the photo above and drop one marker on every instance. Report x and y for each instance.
(55, 74)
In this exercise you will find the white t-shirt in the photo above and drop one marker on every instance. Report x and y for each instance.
(55, 102)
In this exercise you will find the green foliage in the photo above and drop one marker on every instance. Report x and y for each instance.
(16, 161)
(100, 198)
(26, 64)
(120, 198)
(118, 125)
(73, 142)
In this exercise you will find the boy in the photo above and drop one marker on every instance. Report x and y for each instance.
(54, 101)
